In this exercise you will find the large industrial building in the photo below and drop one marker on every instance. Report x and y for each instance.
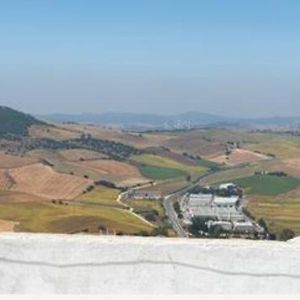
(224, 211)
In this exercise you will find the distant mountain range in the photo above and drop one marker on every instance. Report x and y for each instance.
(155, 121)
(146, 121)
(15, 122)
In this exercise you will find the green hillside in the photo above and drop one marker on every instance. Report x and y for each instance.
(14, 122)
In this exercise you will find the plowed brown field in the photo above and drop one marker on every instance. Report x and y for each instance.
(13, 161)
(5, 180)
(114, 170)
(43, 181)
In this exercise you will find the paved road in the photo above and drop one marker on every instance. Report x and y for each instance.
(169, 208)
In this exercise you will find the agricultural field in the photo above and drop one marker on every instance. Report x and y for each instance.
(14, 161)
(119, 172)
(159, 173)
(281, 212)
(239, 156)
(282, 147)
(9, 196)
(168, 186)
(49, 178)
(43, 181)
(53, 132)
(148, 204)
(139, 140)
(101, 195)
(44, 217)
(157, 167)
(81, 155)
(90, 164)
(6, 226)
(267, 184)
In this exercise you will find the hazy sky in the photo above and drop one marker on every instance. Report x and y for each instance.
(224, 57)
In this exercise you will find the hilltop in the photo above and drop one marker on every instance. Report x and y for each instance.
(14, 122)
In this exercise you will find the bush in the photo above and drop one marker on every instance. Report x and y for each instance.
(286, 234)
(160, 231)
(143, 233)
(263, 224)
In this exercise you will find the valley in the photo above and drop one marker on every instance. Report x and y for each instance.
(70, 178)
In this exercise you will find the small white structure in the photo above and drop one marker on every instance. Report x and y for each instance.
(200, 200)
(143, 195)
(228, 202)
(243, 227)
(223, 224)
(226, 186)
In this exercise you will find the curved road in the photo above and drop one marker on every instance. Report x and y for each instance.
(169, 208)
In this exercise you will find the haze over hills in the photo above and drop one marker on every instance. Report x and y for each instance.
(157, 121)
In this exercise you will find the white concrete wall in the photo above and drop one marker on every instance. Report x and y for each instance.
(39, 263)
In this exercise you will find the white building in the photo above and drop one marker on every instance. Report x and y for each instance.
(226, 186)
(227, 202)
(223, 224)
(200, 200)
(243, 227)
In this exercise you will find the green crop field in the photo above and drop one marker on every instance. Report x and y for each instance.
(267, 184)
(148, 204)
(161, 168)
(208, 164)
(159, 173)
(163, 162)
(101, 195)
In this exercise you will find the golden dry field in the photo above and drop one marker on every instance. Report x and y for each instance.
(43, 181)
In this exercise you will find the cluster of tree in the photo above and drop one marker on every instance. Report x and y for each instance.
(158, 231)
(113, 149)
(15, 123)
(283, 235)
(279, 174)
(106, 183)
(200, 228)
(276, 173)
(149, 214)
(231, 191)
(177, 209)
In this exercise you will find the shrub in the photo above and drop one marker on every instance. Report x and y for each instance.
(286, 234)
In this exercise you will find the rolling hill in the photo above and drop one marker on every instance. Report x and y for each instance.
(14, 122)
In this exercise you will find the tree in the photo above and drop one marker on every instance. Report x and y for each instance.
(177, 209)
(160, 231)
(216, 231)
(199, 225)
(263, 224)
(286, 234)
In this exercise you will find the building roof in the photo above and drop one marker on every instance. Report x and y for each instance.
(226, 185)
(226, 200)
(200, 199)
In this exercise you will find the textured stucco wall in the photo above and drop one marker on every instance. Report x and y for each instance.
(36, 263)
